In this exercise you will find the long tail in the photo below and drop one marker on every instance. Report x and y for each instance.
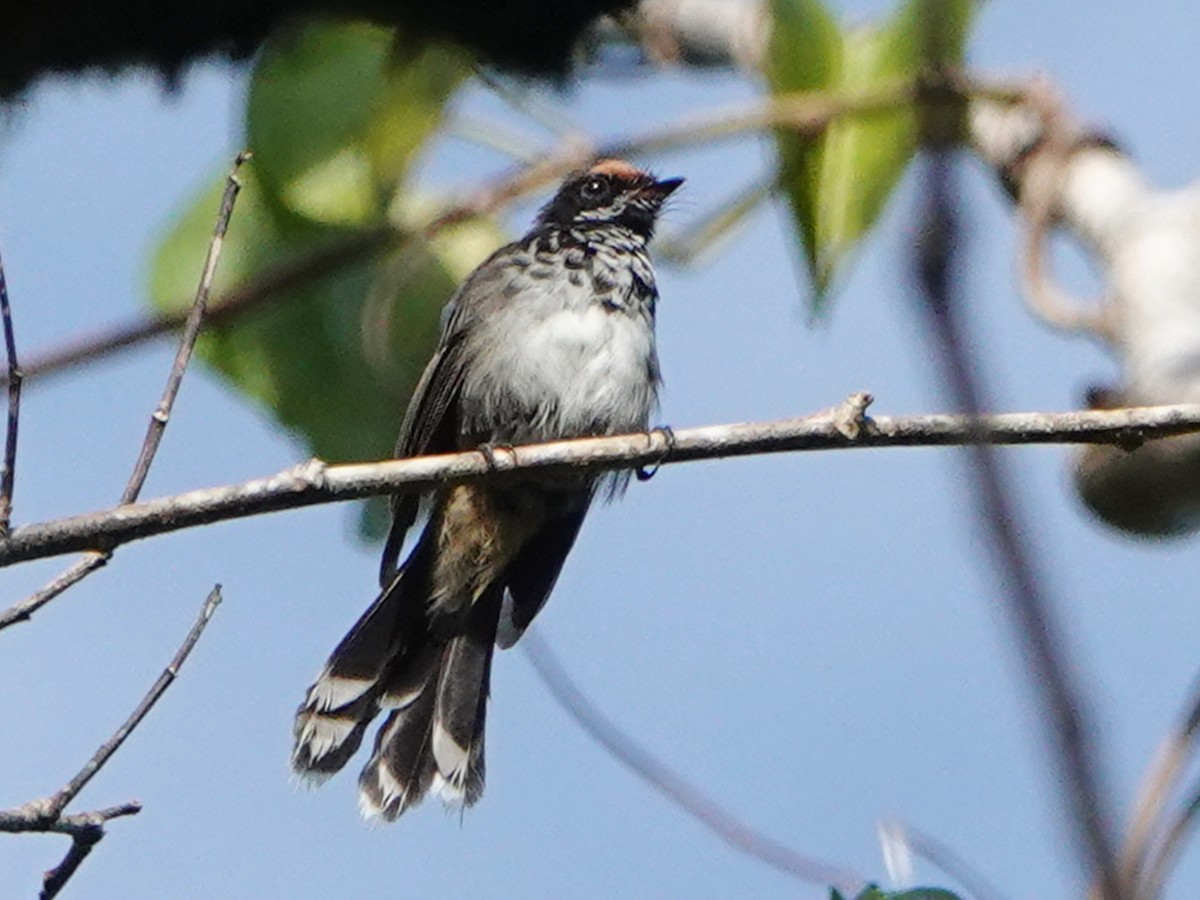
(435, 685)
(433, 739)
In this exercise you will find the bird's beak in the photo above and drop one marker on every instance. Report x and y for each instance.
(665, 187)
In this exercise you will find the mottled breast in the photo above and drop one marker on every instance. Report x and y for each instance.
(569, 346)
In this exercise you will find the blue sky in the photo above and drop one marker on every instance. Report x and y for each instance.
(816, 639)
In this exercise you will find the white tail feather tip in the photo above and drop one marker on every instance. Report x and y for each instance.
(391, 793)
(451, 757)
(321, 735)
(335, 691)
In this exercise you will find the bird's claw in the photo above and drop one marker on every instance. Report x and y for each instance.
(488, 451)
(645, 473)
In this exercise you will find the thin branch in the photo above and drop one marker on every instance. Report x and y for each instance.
(187, 343)
(96, 558)
(1157, 788)
(274, 282)
(165, 680)
(699, 239)
(807, 112)
(9, 473)
(87, 828)
(33, 817)
(1175, 835)
(315, 483)
(81, 569)
(666, 781)
(1028, 603)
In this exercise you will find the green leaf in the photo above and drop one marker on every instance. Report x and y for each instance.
(804, 55)
(872, 892)
(335, 115)
(335, 361)
(336, 112)
(838, 183)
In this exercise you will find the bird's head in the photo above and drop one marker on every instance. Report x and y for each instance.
(611, 192)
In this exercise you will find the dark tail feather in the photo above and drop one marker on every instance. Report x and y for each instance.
(350, 689)
(433, 740)
(401, 768)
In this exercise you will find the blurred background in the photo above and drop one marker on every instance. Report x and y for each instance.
(816, 639)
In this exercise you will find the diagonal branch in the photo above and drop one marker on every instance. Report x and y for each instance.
(671, 785)
(187, 343)
(164, 681)
(1175, 832)
(316, 483)
(9, 473)
(87, 829)
(1146, 852)
(1028, 602)
(96, 557)
(806, 112)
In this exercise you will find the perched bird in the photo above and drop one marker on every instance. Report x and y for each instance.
(552, 337)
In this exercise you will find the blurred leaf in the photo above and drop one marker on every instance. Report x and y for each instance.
(337, 110)
(838, 183)
(335, 362)
(804, 55)
(335, 114)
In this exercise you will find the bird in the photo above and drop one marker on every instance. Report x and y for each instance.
(551, 337)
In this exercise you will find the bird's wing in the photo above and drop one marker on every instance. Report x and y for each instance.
(430, 426)
(531, 576)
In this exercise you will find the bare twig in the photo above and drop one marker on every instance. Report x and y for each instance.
(87, 829)
(109, 747)
(670, 784)
(1029, 605)
(84, 837)
(187, 343)
(276, 281)
(1151, 807)
(23, 609)
(97, 556)
(698, 240)
(315, 483)
(9, 473)
(804, 112)
(1175, 833)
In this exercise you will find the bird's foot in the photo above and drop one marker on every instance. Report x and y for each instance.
(645, 473)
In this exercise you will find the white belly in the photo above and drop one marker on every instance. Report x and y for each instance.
(575, 370)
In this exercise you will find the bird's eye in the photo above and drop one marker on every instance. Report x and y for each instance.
(595, 189)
